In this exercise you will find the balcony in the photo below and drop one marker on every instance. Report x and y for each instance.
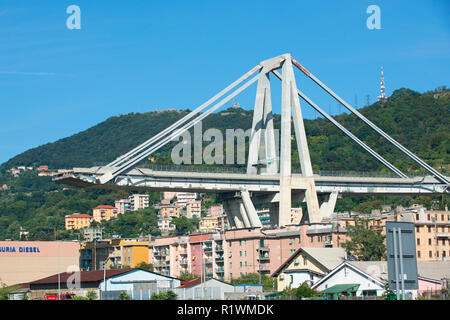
(442, 234)
(263, 257)
(264, 249)
(219, 260)
(219, 249)
(207, 249)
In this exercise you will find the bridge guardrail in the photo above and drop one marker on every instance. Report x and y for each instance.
(243, 170)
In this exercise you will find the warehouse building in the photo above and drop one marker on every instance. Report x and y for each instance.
(25, 261)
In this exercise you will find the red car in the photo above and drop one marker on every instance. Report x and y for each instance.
(64, 296)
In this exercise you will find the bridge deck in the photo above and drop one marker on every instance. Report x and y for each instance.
(158, 180)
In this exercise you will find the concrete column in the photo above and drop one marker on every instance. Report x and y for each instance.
(244, 215)
(285, 152)
(250, 209)
(257, 124)
(327, 206)
(274, 213)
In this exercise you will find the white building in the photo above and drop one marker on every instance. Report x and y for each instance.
(122, 205)
(185, 197)
(139, 201)
(355, 278)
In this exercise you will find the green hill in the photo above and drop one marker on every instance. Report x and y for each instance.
(418, 121)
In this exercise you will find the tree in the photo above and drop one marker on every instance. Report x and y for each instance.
(145, 266)
(5, 290)
(124, 296)
(366, 244)
(185, 225)
(255, 278)
(168, 295)
(91, 295)
(188, 275)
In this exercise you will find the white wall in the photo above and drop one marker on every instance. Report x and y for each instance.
(348, 275)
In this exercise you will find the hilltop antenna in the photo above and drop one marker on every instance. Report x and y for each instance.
(382, 96)
(236, 104)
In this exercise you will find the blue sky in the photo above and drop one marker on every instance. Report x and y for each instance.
(138, 56)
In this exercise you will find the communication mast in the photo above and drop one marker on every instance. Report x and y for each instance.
(236, 104)
(382, 96)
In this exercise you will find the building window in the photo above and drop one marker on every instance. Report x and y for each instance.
(305, 261)
(240, 242)
(418, 241)
(443, 254)
(417, 229)
(240, 253)
(429, 229)
(430, 254)
(429, 242)
(240, 263)
(418, 254)
(231, 265)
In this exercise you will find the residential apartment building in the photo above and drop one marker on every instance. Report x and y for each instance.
(91, 234)
(264, 216)
(139, 201)
(170, 255)
(113, 252)
(169, 211)
(77, 221)
(104, 212)
(294, 219)
(209, 224)
(123, 205)
(165, 225)
(228, 254)
(432, 234)
(215, 211)
(185, 197)
(193, 208)
(168, 195)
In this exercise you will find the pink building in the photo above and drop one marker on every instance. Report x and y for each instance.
(427, 285)
(231, 253)
(215, 211)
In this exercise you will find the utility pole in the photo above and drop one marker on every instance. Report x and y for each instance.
(59, 276)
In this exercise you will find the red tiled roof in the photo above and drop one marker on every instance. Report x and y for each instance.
(79, 215)
(85, 276)
(189, 283)
(105, 207)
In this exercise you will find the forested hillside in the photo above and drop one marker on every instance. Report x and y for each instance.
(418, 121)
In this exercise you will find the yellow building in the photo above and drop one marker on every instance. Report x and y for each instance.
(77, 221)
(432, 235)
(104, 213)
(114, 253)
(208, 224)
(307, 265)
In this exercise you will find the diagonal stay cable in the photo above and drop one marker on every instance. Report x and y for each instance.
(155, 138)
(108, 176)
(347, 132)
(411, 155)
